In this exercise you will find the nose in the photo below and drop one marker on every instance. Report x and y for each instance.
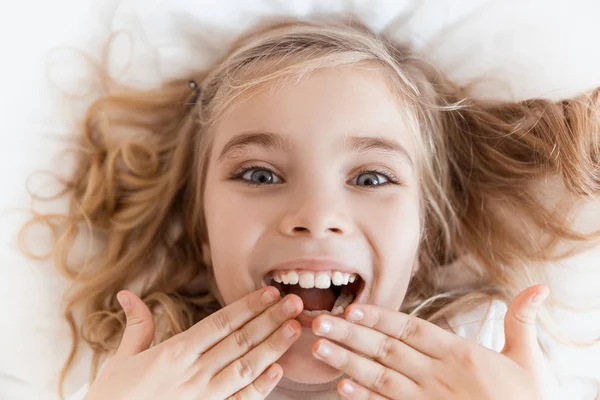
(315, 214)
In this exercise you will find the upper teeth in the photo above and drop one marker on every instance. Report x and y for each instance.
(309, 279)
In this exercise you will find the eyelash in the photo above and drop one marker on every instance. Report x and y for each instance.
(238, 176)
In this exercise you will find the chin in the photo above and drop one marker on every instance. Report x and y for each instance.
(299, 365)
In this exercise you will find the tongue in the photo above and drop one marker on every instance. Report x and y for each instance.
(314, 299)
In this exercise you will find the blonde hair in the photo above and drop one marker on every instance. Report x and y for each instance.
(142, 155)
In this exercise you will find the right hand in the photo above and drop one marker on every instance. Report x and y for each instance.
(229, 354)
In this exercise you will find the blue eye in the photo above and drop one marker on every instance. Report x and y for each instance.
(373, 178)
(258, 176)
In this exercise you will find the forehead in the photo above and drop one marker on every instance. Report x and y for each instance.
(328, 105)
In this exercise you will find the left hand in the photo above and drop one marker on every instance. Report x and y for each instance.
(391, 355)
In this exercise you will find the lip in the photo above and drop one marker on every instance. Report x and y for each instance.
(305, 320)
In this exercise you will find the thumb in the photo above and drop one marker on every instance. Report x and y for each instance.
(139, 331)
(519, 324)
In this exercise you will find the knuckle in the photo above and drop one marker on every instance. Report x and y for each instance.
(341, 361)
(374, 318)
(524, 318)
(221, 321)
(260, 389)
(346, 333)
(243, 339)
(384, 348)
(273, 344)
(252, 305)
(236, 396)
(244, 369)
(136, 320)
(274, 316)
(383, 380)
(408, 330)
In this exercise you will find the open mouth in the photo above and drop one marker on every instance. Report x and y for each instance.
(323, 292)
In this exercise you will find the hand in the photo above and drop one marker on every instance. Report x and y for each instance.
(230, 353)
(396, 356)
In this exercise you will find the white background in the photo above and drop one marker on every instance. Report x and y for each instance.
(524, 48)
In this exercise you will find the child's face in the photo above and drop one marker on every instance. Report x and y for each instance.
(312, 141)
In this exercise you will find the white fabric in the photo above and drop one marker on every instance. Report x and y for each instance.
(483, 324)
(536, 47)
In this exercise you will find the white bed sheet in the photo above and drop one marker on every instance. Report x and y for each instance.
(526, 48)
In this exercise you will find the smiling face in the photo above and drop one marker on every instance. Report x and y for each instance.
(314, 176)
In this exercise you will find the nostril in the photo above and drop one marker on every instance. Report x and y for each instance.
(301, 229)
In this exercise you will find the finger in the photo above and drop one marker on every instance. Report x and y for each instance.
(370, 374)
(262, 386)
(220, 324)
(354, 391)
(246, 369)
(384, 349)
(520, 324)
(419, 334)
(249, 336)
(139, 331)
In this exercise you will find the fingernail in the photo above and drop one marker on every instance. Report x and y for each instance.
(268, 297)
(288, 306)
(324, 326)
(347, 387)
(324, 350)
(124, 301)
(538, 298)
(356, 314)
(288, 331)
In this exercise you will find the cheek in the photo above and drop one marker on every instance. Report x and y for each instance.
(395, 224)
(229, 219)
(395, 228)
(234, 226)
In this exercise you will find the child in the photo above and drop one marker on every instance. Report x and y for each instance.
(292, 211)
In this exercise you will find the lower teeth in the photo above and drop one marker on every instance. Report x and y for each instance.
(343, 301)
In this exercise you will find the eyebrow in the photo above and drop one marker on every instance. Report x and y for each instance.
(268, 140)
(363, 144)
(355, 144)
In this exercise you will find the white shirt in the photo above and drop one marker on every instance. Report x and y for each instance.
(484, 324)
